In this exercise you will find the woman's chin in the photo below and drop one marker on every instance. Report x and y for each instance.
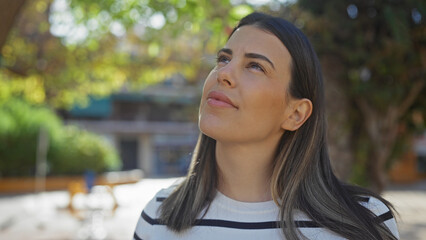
(208, 129)
(214, 129)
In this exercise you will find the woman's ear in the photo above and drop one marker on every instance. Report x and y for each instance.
(299, 110)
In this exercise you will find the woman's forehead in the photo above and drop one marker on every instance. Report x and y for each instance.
(252, 39)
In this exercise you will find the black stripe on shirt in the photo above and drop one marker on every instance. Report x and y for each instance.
(252, 225)
(136, 237)
(160, 199)
(150, 220)
(363, 199)
(385, 216)
(239, 225)
(233, 224)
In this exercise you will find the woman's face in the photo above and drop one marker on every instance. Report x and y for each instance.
(244, 96)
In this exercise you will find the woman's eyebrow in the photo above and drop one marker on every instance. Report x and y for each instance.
(259, 56)
(248, 55)
(225, 50)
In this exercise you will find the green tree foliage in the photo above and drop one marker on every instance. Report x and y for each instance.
(38, 67)
(373, 53)
(77, 151)
(71, 151)
(101, 46)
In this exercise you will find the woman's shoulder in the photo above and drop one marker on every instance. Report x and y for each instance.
(375, 205)
(153, 205)
(382, 211)
(149, 216)
(165, 192)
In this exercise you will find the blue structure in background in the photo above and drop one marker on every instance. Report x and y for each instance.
(96, 108)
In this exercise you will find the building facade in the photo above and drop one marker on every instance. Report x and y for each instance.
(154, 129)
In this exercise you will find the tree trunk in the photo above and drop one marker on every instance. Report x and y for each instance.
(382, 131)
(9, 10)
(339, 133)
(377, 168)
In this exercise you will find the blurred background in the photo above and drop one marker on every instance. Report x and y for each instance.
(99, 101)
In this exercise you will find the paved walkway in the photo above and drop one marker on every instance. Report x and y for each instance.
(45, 216)
(410, 203)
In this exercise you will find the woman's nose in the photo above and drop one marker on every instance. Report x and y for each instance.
(227, 75)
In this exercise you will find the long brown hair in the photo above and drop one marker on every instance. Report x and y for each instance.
(302, 176)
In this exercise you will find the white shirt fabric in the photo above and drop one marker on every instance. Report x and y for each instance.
(230, 219)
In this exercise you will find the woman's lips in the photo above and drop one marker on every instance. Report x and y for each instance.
(218, 99)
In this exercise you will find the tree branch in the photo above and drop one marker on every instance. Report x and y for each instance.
(9, 11)
(411, 97)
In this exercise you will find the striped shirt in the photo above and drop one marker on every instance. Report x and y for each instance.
(230, 219)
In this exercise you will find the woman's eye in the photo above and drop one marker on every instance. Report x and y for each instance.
(256, 66)
(222, 59)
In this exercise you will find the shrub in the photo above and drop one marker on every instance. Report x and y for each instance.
(71, 151)
(78, 150)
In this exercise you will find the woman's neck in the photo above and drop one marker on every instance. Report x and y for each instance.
(245, 171)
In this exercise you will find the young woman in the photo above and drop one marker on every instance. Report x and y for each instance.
(260, 168)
